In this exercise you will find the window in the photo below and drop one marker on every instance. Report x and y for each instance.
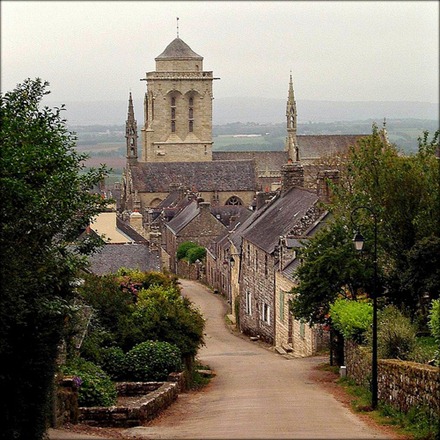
(173, 114)
(266, 272)
(190, 114)
(234, 200)
(266, 313)
(248, 303)
(302, 329)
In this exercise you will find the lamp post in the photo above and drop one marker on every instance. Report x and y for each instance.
(358, 241)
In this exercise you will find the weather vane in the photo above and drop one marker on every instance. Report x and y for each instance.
(177, 27)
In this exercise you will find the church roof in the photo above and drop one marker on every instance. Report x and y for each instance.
(178, 49)
(270, 160)
(315, 146)
(231, 176)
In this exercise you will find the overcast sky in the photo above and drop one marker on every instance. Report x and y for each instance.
(336, 50)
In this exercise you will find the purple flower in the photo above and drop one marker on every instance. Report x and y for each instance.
(77, 381)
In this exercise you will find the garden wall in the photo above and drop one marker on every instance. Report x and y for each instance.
(401, 384)
(65, 403)
(152, 398)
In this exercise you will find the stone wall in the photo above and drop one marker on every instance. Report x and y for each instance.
(65, 403)
(132, 411)
(401, 384)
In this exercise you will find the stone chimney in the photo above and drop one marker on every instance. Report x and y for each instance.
(262, 198)
(292, 174)
(325, 180)
(136, 220)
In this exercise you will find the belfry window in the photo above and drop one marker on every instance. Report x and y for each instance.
(173, 114)
(191, 114)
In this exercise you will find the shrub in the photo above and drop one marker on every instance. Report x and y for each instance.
(396, 335)
(113, 362)
(96, 388)
(164, 315)
(183, 248)
(351, 318)
(196, 253)
(434, 325)
(153, 360)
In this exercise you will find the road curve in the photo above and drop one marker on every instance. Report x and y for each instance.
(256, 394)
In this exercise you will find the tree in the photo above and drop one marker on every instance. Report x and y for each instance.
(46, 203)
(330, 270)
(404, 193)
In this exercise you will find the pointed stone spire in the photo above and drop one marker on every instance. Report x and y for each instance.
(384, 132)
(291, 140)
(131, 135)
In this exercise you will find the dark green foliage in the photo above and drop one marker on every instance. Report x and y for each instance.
(164, 315)
(46, 203)
(351, 318)
(434, 326)
(396, 335)
(153, 361)
(330, 270)
(114, 363)
(183, 248)
(196, 253)
(96, 388)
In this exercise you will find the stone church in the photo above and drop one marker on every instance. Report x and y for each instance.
(177, 142)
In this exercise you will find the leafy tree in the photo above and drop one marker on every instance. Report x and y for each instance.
(46, 203)
(330, 270)
(183, 248)
(196, 253)
(351, 318)
(404, 193)
(434, 326)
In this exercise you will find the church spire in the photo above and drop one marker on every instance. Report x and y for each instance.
(291, 141)
(131, 132)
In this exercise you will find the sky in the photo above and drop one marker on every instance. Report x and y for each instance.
(335, 50)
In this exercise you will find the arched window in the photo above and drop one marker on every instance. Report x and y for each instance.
(234, 200)
(190, 114)
(173, 114)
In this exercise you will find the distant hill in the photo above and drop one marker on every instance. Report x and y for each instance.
(259, 110)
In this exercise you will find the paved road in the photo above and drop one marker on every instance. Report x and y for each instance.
(255, 393)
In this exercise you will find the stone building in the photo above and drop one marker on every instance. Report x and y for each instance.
(177, 143)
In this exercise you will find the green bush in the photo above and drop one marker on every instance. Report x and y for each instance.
(113, 362)
(96, 388)
(434, 326)
(183, 248)
(351, 318)
(153, 360)
(396, 334)
(164, 315)
(196, 253)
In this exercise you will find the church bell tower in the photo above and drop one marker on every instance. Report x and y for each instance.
(178, 107)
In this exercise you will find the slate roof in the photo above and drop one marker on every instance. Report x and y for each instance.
(111, 257)
(315, 146)
(178, 49)
(279, 218)
(178, 222)
(229, 176)
(271, 160)
(310, 146)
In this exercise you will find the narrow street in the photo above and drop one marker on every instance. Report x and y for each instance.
(255, 393)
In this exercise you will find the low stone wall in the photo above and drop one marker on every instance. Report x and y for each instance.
(131, 411)
(65, 403)
(405, 384)
(401, 384)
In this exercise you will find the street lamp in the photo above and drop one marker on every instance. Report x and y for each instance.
(358, 242)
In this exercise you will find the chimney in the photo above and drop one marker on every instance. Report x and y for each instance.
(136, 219)
(262, 198)
(325, 180)
(292, 174)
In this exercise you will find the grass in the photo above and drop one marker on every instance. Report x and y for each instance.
(198, 380)
(417, 424)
